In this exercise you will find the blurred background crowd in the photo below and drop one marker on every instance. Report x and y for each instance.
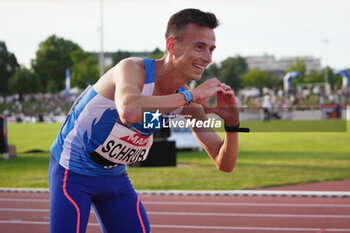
(61, 70)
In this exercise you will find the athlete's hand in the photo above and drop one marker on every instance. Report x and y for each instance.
(226, 107)
(206, 90)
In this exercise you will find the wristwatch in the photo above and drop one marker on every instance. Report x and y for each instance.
(188, 96)
(236, 128)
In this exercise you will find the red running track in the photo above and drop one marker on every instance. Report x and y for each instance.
(29, 212)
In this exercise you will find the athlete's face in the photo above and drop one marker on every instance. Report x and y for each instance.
(194, 53)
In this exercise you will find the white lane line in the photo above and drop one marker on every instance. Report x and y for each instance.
(24, 222)
(250, 215)
(24, 200)
(205, 203)
(205, 214)
(259, 193)
(213, 192)
(244, 204)
(23, 210)
(280, 229)
(199, 227)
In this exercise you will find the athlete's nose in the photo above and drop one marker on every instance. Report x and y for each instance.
(208, 56)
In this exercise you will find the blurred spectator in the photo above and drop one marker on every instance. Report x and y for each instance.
(266, 105)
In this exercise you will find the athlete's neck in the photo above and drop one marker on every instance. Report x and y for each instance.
(167, 79)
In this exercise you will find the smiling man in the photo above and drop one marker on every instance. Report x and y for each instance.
(103, 131)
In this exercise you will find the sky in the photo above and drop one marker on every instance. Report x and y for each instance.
(282, 28)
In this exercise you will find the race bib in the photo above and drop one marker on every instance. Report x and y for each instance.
(122, 146)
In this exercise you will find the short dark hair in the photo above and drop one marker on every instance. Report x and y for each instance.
(180, 19)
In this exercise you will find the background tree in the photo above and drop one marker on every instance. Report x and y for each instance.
(156, 54)
(231, 70)
(24, 81)
(298, 65)
(255, 78)
(120, 55)
(52, 59)
(85, 70)
(314, 77)
(8, 66)
(274, 81)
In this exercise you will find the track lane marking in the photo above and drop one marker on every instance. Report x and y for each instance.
(245, 204)
(273, 193)
(204, 214)
(250, 215)
(198, 227)
(24, 200)
(205, 203)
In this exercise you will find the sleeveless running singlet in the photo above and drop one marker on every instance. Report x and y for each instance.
(93, 140)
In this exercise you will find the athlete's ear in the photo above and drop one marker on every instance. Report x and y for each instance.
(170, 42)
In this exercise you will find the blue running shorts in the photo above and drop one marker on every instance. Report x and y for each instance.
(113, 198)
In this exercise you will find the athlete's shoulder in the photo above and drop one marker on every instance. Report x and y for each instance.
(127, 69)
(131, 63)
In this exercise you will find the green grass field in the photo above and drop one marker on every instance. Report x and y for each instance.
(265, 159)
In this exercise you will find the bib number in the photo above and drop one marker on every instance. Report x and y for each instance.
(122, 146)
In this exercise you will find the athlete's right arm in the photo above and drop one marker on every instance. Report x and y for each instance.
(129, 77)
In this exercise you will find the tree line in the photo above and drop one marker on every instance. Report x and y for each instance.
(47, 70)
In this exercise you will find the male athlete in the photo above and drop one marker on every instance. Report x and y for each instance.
(103, 131)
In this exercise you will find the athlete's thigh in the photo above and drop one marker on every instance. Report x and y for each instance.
(121, 214)
(69, 204)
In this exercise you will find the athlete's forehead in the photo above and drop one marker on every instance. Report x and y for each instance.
(193, 33)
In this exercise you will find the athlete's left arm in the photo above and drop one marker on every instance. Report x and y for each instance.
(223, 152)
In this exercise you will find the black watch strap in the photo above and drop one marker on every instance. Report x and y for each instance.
(236, 128)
